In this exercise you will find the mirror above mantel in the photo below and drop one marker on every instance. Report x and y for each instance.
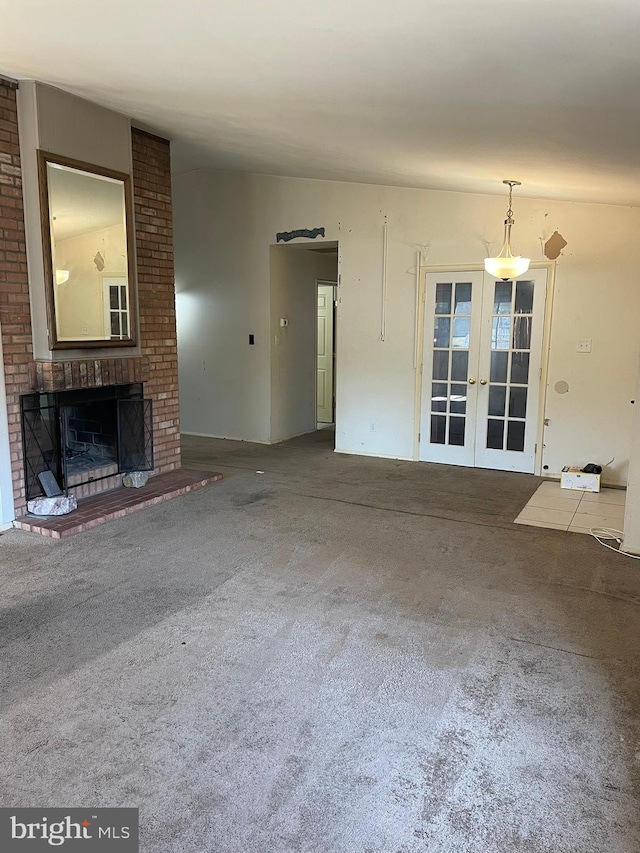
(88, 254)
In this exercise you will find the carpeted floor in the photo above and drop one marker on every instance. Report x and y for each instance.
(338, 655)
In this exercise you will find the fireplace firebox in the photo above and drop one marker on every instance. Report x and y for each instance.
(86, 438)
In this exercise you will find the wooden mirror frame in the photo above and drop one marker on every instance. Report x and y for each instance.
(44, 157)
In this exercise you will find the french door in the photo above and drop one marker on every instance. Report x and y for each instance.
(481, 369)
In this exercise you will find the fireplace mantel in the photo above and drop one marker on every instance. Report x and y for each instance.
(88, 373)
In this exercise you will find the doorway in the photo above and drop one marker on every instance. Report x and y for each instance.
(297, 271)
(325, 353)
(482, 357)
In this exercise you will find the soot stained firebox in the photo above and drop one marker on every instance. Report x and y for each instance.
(86, 435)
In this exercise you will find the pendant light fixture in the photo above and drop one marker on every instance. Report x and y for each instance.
(507, 265)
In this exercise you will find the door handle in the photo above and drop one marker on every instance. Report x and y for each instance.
(472, 382)
(483, 381)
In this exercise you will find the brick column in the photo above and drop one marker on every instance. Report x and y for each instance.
(156, 290)
(15, 311)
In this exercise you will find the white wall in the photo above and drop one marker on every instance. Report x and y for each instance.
(294, 271)
(222, 295)
(226, 222)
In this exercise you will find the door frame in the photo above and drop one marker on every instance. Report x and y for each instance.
(550, 267)
(334, 358)
(277, 311)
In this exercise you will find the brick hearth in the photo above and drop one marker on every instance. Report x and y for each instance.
(115, 504)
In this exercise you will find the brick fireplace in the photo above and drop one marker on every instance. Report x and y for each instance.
(86, 438)
(155, 364)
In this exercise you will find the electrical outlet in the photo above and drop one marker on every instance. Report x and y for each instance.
(372, 427)
(583, 346)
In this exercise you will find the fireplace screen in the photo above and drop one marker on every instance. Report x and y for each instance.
(86, 435)
(135, 435)
(40, 440)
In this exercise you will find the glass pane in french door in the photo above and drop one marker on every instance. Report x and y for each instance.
(509, 378)
(450, 369)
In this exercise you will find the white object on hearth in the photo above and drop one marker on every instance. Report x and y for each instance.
(135, 479)
(59, 505)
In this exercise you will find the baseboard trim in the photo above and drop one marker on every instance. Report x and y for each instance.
(248, 440)
(556, 478)
(375, 455)
(294, 435)
(223, 437)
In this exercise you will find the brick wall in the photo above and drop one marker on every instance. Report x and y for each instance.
(158, 363)
(87, 373)
(156, 291)
(15, 312)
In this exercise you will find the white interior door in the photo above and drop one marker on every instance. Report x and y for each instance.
(324, 382)
(481, 369)
(509, 372)
(453, 307)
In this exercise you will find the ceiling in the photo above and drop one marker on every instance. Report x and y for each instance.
(447, 94)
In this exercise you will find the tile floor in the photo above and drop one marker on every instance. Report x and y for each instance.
(577, 512)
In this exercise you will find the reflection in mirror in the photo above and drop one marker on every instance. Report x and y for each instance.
(87, 254)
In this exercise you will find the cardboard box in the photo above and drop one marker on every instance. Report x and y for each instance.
(573, 478)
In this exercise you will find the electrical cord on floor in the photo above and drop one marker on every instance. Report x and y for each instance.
(600, 533)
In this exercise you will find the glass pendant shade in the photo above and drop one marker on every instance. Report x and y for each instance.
(507, 265)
